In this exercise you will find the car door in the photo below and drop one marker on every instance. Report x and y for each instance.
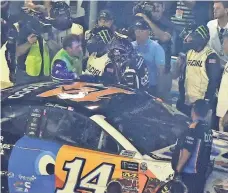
(12, 129)
(27, 155)
(88, 162)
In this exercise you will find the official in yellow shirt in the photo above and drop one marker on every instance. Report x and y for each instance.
(203, 70)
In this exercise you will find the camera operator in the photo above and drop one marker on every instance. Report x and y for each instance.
(8, 41)
(162, 29)
(41, 6)
(62, 25)
(33, 60)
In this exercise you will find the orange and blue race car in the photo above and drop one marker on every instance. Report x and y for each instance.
(83, 137)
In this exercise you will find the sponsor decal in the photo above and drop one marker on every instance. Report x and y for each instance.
(131, 166)
(6, 173)
(130, 176)
(3, 147)
(59, 106)
(55, 105)
(128, 153)
(29, 89)
(81, 92)
(22, 186)
(143, 166)
(27, 178)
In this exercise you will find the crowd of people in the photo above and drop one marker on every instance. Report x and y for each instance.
(136, 50)
(132, 43)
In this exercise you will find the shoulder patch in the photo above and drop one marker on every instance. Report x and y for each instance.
(212, 61)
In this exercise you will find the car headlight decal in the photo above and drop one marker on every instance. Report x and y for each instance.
(45, 164)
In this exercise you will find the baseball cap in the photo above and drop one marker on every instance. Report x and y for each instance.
(105, 14)
(141, 25)
(203, 31)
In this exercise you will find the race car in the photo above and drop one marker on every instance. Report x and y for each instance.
(90, 137)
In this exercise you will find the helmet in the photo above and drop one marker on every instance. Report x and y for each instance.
(99, 40)
(120, 49)
(60, 12)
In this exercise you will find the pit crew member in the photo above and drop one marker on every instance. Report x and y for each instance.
(191, 157)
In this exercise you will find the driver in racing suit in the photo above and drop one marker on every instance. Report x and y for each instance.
(116, 61)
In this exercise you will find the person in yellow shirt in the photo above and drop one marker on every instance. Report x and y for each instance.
(32, 52)
(203, 70)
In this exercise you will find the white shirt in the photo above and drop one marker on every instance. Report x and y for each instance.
(222, 106)
(214, 41)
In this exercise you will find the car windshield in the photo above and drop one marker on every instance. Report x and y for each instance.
(150, 126)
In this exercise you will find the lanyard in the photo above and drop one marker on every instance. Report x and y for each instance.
(220, 35)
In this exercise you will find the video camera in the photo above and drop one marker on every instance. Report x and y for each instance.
(145, 7)
(34, 22)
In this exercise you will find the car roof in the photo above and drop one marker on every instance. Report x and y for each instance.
(87, 97)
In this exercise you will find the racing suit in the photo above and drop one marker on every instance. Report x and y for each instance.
(198, 141)
(65, 67)
(135, 74)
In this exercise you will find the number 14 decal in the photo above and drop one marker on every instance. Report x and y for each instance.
(95, 181)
